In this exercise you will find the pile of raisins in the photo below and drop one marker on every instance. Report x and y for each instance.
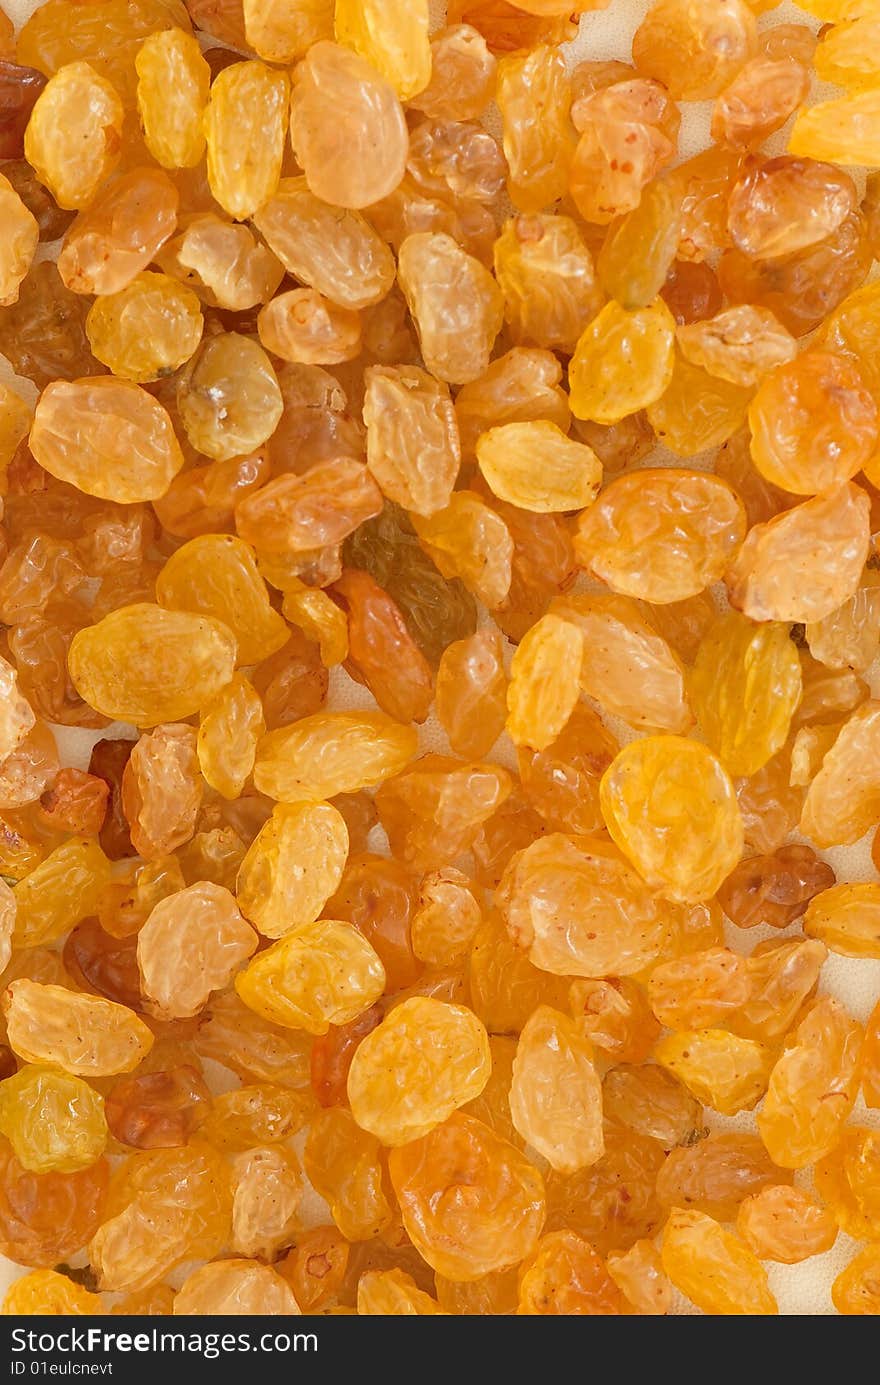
(315, 379)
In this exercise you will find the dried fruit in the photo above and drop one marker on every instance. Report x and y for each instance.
(302, 326)
(413, 448)
(691, 292)
(378, 896)
(565, 1276)
(775, 889)
(561, 898)
(84, 1035)
(615, 1015)
(697, 411)
(842, 803)
(255, 1115)
(854, 1291)
(504, 985)
(534, 98)
(724, 1071)
(319, 618)
(316, 1266)
(846, 1180)
(423, 1062)
(627, 666)
(462, 76)
(228, 397)
(278, 33)
(844, 130)
(695, 49)
(254, 1048)
(469, 540)
(471, 693)
(73, 139)
(521, 386)
(192, 944)
(266, 1194)
(639, 249)
(844, 54)
(813, 424)
(394, 39)
(433, 810)
(509, 27)
(234, 1288)
(544, 682)
(812, 1087)
(21, 234)
(118, 234)
(344, 1165)
(715, 1173)
(393, 1293)
(45, 1293)
(107, 437)
(164, 1207)
(172, 93)
(224, 264)
(785, 1224)
(740, 345)
(446, 919)
(470, 1202)
(332, 753)
(53, 1121)
(108, 36)
(147, 330)
(332, 249)
(485, 992)
(216, 575)
(871, 1059)
(335, 89)
(545, 271)
(662, 535)
(318, 974)
(612, 1203)
(671, 808)
(555, 1093)
(158, 1110)
(245, 128)
(46, 1218)
(845, 918)
(57, 893)
(19, 88)
(759, 998)
(333, 1052)
(535, 467)
(804, 563)
(651, 1102)
(295, 515)
(231, 725)
(745, 686)
(623, 362)
(146, 665)
(628, 133)
(801, 289)
(162, 791)
(293, 867)
(761, 97)
(640, 1276)
(455, 303)
(714, 1268)
(786, 205)
(381, 651)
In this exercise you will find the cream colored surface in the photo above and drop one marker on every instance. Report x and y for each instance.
(800, 1289)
